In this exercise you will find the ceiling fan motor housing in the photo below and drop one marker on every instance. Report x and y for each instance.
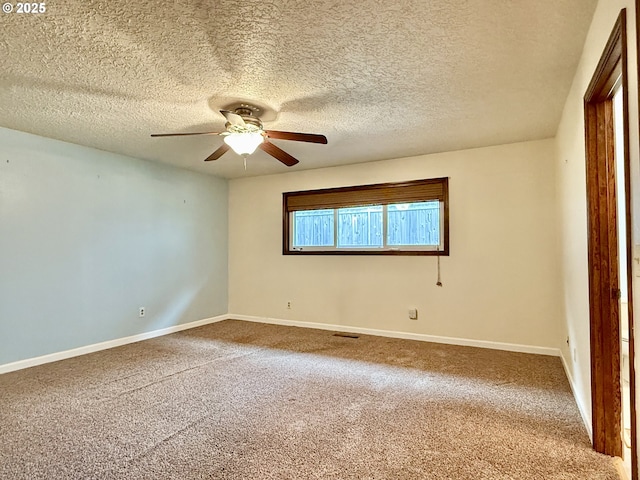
(249, 113)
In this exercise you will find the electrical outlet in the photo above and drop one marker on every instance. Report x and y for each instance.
(575, 355)
(288, 305)
(141, 312)
(413, 314)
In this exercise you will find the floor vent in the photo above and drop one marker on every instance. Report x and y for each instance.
(345, 335)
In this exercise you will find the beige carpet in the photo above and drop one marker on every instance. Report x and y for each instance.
(237, 400)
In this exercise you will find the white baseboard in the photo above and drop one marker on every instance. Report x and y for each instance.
(586, 418)
(620, 468)
(96, 347)
(511, 347)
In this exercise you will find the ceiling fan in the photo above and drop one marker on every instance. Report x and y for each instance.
(244, 133)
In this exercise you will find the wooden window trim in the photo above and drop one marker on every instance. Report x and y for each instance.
(362, 195)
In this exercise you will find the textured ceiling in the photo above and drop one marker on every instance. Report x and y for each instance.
(380, 79)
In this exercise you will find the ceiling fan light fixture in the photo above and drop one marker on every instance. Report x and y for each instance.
(244, 133)
(244, 143)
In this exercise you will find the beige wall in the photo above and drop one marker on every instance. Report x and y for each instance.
(499, 282)
(571, 191)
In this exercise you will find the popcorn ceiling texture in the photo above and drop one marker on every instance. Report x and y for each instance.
(379, 79)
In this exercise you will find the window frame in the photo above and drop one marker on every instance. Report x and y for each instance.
(392, 190)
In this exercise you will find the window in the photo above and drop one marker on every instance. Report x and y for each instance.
(408, 218)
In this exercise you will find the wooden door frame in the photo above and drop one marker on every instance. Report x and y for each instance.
(632, 374)
(603, 246)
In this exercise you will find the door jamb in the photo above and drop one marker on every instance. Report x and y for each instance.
(603, 256)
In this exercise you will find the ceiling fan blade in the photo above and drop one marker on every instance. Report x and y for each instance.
(183, 134)
(218, 153)
(278, 153)
(297, 137)
(233, 118)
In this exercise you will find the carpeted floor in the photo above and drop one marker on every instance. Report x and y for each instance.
(239, 400)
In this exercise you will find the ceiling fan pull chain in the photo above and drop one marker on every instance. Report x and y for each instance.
(245, 163)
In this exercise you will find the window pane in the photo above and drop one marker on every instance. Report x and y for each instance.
(413, 223)
(313, 228)
(360, 227)
(402, 218)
